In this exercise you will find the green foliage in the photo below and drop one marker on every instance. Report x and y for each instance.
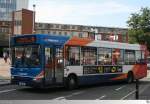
(139, 27)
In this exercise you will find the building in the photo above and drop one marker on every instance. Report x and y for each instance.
(5, 29)
(23, 22)
(101, 33)
(8, 6)
(6, 9)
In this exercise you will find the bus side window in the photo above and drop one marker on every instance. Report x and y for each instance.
(73, 56)
(117, 57)
(104, 56)
(129, 57)
(88, 56)
(138, 56)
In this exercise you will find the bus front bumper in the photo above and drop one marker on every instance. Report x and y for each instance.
(26, 81)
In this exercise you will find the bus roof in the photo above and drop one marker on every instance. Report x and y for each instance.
(74, 41)
(39, 39)
(119, 45)
(99, 43)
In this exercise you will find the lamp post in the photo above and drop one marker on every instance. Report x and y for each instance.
(9, 45)
(10, 59)
(34, 6)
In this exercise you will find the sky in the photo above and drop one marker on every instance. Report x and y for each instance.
(107, 13)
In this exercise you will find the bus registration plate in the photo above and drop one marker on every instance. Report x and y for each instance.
(22, 83)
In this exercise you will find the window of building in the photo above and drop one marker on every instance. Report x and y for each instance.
(49, 25)
(42, 31)
(129, 57)
(40, 25)
(49, 32)
(18, 22)
(54, 32)
(88, 56)
(71, 34)
(65, 33)
(72, 27)
(104, 56)
(73, 56)
(80, 28)
(80, 35)
(60, 33)
(57, 26)
(64, 27)
(91, 36)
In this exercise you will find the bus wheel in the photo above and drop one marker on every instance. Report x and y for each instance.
(72, 82)
(130, 77)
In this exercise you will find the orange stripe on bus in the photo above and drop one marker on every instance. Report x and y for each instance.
(78, 41)
(123, 76)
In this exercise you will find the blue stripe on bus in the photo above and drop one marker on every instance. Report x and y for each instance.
(93, 79)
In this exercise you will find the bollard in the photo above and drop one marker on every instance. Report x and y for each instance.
(137, 89)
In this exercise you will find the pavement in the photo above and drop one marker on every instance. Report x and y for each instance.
(4, 72)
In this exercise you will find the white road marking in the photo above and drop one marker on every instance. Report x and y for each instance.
(75, 93)
(59, 98)
(7, 90)
(67, 96)
(101, 97)
(127, 95)
(120, 88)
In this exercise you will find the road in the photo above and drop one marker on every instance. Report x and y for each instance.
(105, 91)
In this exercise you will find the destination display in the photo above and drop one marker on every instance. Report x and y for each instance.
(21, 40)
(101, 69)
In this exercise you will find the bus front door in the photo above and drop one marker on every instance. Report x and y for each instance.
(54, 65)
(59, 65)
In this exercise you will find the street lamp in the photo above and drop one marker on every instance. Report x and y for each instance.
(10, 58)
(34, 6)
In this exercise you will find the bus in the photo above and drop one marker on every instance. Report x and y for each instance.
(40, 60)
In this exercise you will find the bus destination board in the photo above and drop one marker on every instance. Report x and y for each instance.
(25, 40)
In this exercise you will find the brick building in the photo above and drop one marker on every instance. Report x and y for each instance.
(103, 33)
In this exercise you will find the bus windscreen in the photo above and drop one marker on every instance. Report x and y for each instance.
(26, 56)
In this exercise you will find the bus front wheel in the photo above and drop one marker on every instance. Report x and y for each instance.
(72, 82)
(130, 77)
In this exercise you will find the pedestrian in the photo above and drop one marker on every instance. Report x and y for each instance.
(5, 56)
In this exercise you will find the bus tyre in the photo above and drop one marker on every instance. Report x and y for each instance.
(71, 83)
(130, 77)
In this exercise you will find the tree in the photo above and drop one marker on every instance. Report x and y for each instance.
(139, 27)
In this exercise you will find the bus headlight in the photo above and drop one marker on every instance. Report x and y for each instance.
(66, 69)
(39, 76)
(12, 77)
